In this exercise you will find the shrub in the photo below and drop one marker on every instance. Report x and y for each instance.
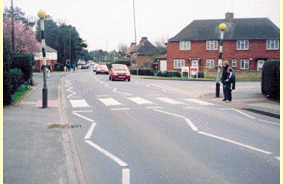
(24, 62)
(17, 80)
(200, 75)
(270, 80)
(7, 80)
(59, 67)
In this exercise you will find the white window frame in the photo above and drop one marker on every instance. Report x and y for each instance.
(243, 64)
(178, 63)
(234, 63)
(211, 45)
(242, 44)
(185, 45)
(269, 44)
(210, 63)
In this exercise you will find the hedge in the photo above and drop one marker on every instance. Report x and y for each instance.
(270, 80)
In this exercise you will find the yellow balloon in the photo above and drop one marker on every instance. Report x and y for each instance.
(41, 14)
(222, 26)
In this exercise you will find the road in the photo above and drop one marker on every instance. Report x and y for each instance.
(150, 131)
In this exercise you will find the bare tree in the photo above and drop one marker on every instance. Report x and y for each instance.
(122, 47)
(160, 44)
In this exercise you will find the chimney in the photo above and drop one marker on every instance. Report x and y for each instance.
(133, 43)
(229, 17)
(143, 39)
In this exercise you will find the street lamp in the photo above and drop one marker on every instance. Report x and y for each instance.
(41, 14)
(222, 27)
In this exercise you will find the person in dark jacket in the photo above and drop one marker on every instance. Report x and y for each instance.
(224, 76)
(229, 84)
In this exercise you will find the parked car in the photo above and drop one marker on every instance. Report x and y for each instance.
(95, 67)
(102, 69)
(119, 72)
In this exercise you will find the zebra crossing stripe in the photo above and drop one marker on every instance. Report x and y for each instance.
(199, 102)
(170, 101)
(109, 101)
(79, 103)
(140, 101)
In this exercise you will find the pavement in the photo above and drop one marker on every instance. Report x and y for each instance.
(38, 145)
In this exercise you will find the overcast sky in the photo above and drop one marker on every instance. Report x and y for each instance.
(103, 24)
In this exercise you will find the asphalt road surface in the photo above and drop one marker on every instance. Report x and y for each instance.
(150, 131)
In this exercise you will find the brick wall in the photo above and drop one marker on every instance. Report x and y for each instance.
(144, 59)
(38, 64)
(257, 49)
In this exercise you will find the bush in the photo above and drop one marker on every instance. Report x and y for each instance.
(59, 67)
(200, 75)
(24, 62)
(16, 77)
(147, 72)
(7, 62)
(270, 80)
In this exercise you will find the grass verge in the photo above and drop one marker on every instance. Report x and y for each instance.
(199, 79)
(21, 93)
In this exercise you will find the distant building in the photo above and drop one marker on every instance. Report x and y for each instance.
(248, 43)
(51, 58)
(145, 52)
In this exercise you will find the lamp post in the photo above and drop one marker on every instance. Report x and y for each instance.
(222, 27)
(137, 66)
(41, 14)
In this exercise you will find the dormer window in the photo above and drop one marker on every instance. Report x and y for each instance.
(185, 45)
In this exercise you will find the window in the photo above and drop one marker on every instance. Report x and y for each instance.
(244, 64)
(243, 45)
(185, 45)
(210, 63)
(272, 44)
(234, 63)
(211, 45)
(179, 63)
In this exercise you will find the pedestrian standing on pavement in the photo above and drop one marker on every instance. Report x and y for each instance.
(229, 84)
(224, 76)
(48, 70)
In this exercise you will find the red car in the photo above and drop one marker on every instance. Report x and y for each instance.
(102, 69)
(119, 72)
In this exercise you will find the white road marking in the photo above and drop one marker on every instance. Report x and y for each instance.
(81, 116)
(168, 100)
(102, 95)
(199, 102)
(120, 92)
(125, 176)
(269, 122)
(108, 154)
(89, 133)
(191, 107)
(237, 143)
(120, 109)
(245, 114)
(278, 158)
(140, 101)
(193, 127)
(109, 101)
(79, 103)
(154, 107)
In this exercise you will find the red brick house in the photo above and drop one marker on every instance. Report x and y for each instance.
(247, 44)
(51, 58)
(145, 53)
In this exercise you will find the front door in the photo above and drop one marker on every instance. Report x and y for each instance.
(260, 64)
(194, 66)
(163, 65)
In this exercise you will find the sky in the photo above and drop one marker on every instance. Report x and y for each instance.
(104, 24)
